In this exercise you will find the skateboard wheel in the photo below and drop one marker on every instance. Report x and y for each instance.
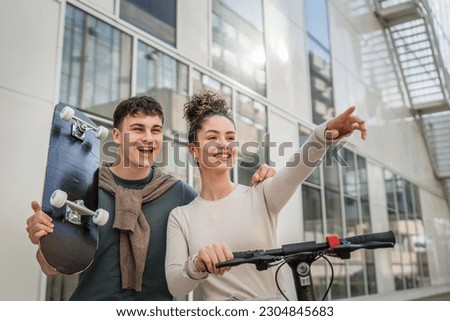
(101, 217)
(67, 113)
(58, 198)
(101, 133)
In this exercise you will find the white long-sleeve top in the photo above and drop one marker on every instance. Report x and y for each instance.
(246, 219)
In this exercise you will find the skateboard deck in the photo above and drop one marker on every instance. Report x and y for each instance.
(71, 191)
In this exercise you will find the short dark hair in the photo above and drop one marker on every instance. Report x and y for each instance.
(137, 105)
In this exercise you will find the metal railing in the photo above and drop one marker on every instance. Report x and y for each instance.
(410, 28)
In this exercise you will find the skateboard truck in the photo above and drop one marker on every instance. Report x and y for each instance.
(74, 210)
(80, 127)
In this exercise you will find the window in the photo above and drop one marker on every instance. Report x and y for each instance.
(357, 221)
(96, 66)
(238, 48)
(166, 79)
(173, 158)
(251, 126)
(202, 82)
(336, 201)
(366, 223)
(163, 77)
(409, 258)
(319, 60)
(158, 18)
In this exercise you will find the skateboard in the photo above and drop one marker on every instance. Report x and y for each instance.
(71, 191)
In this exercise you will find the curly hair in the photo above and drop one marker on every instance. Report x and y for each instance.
(202, 106)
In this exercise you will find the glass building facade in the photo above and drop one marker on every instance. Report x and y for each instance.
(111, 50)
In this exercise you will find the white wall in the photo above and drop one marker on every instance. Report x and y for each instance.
(287, 59)
(194, 42)
(29, 64)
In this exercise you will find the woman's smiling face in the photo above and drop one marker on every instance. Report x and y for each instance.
(216, 146)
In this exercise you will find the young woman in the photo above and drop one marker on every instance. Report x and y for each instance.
(228, 217)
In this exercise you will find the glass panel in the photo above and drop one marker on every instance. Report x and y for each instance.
(419, 247)
(365, 215)
(356, 264)
(397, 253)
(202, 82)
(339, 287)
(400, 187)
(409, 197)
(356, 272)
(369, 255)
(314, 177)
(319, 270)
(417, 205)
(321, 83)
(166, 79)
(173, 158)
(251, 123)
(333, 212)
(317, 21)
(362, 175)
(331, 172)
(313, 227)
(319, 60)
(352, 218)
(353, 226)
(389, 185)
(404, 233)
(421, 242)
(332, 195)
(349, 173)
(159, 18)
(96, 66)
(312, 213)
(412, 279)
(371, 273)
(238, 48)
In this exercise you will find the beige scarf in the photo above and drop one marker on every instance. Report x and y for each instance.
(131, 222)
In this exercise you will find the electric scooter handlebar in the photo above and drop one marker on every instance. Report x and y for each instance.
(333, 247)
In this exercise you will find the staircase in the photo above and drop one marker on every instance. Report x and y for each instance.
(410, 27)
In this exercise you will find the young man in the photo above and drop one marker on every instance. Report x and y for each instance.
(123, 270)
